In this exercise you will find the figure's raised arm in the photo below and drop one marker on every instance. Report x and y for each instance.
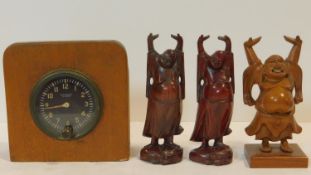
(201, 65)
(227, 40)
(298, 84)
(150, 61)
(295, 51)
(179, 40)
(182, 74)
(229, 58)
(250, 53)
(230, 64)
(150, 39)
(149, 76)
(247, 87)
(200, 43)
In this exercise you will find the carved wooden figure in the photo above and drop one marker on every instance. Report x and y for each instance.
(165, 91)
(276, 78)
(215, 89)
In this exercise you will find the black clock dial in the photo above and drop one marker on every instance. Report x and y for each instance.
(66, 105)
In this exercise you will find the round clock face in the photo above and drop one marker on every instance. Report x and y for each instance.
(66, 105)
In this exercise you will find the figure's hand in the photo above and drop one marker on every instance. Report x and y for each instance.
(249, 100)
(152, 37)
(177, 37)
(295, 41)
(202, 38)
(179, 40)
(251, 42)
(298, 98)
(224, 38)
(227, 40)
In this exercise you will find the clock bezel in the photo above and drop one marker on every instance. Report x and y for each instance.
(91, 85)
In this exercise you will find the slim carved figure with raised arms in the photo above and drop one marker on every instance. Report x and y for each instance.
(165, 91)
(275, 105)
(215, 89)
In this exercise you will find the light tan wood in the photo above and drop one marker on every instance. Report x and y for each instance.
(276, 158)
(105, 62)
(280, 84)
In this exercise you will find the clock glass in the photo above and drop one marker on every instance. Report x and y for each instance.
(65, 104)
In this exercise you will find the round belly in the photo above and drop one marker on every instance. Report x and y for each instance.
(166, 91)
(218, 91)
(276, 100)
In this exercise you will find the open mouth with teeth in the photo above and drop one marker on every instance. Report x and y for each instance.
(277, 70)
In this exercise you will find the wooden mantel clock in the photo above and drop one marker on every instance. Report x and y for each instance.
(67, 101)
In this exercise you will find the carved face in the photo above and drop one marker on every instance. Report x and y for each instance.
(168, 58)
(275, 68)
(217, 60)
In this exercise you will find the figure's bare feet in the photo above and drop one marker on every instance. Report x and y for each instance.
(265, 146)
(285, 146)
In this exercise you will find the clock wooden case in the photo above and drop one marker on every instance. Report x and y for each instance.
(101, 66)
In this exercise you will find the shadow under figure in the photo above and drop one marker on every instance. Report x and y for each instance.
(215, 89)
(165, 91)
(276, 78)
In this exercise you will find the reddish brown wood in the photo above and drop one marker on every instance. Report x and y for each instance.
(165, 91)
(215, 89)
(276, 158)
(105, 63)
(276, 78)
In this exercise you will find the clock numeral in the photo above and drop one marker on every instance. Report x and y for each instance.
(46, 105)
(82, 94)
(55, 89)
(65, 86)
(50, 95)
(83, 114)
(86, 104)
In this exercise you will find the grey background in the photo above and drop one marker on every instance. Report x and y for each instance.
(131, 21)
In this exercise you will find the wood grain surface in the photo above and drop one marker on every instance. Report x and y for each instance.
(276, 158)
(105, 62)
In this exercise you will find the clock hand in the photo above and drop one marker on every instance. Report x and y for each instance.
(64, 105)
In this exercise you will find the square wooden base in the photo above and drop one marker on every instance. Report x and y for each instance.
(276, 158)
